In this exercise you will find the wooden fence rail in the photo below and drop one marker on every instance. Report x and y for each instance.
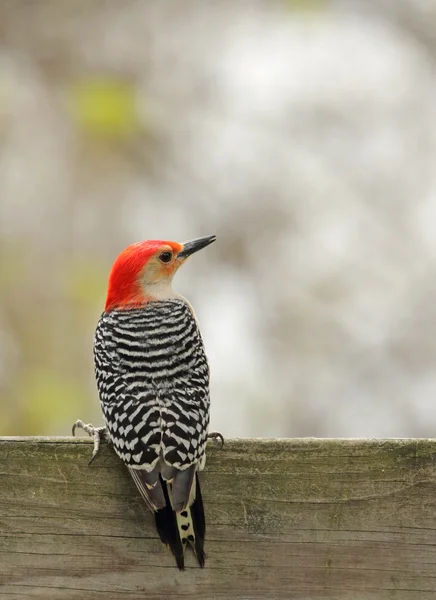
(292, 519)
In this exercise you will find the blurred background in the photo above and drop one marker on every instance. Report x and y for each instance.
(302, 133)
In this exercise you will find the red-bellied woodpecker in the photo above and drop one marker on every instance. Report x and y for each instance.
(153, 381)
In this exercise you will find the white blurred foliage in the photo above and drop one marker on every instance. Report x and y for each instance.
(307, 143)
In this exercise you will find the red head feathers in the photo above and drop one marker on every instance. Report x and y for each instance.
(143, 271)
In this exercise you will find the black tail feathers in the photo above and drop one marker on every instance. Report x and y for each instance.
(178, 529)
(199, 524)
(166, 525)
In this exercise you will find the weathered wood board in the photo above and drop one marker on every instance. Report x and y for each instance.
(291, 519)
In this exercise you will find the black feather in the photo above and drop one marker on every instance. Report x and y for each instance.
(166, 525)
(199, 521)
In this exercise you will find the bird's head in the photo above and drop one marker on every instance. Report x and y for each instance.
(144, 271)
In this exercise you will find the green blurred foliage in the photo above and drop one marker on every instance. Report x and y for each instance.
(51, 399)
(50, 316)
(105, 107)
(86, 284)
(13, 264)
(307, 6)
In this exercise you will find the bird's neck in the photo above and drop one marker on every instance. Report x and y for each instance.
(161, 290)
(140, 294)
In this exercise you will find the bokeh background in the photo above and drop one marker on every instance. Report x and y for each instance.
(301, 133)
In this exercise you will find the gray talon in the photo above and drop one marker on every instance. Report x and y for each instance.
(97, 433)
(216, 437)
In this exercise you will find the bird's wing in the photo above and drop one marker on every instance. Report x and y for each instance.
(128, 418)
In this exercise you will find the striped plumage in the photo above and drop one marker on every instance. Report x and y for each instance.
(153, 381)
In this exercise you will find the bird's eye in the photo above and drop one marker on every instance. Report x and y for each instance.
(165, 257)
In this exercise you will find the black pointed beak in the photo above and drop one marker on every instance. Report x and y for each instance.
(195, 245)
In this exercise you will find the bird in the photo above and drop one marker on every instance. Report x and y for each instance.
(152, 376)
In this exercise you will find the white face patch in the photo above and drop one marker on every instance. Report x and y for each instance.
(156, 277)
(161, 290)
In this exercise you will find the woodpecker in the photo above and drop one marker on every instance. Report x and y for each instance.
(153, 381)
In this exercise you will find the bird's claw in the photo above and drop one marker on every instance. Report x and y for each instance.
(216, 437)
(97, 433)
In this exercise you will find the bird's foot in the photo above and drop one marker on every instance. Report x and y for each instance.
(97, 433)
(216, 437)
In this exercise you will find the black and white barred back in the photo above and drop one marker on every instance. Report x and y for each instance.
(153, 381)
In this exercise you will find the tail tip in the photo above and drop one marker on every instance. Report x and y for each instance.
(201, 557)
(181, 564)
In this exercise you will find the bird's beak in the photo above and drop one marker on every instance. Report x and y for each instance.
(195, 245)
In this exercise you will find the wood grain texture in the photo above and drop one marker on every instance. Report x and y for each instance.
(302, 519)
